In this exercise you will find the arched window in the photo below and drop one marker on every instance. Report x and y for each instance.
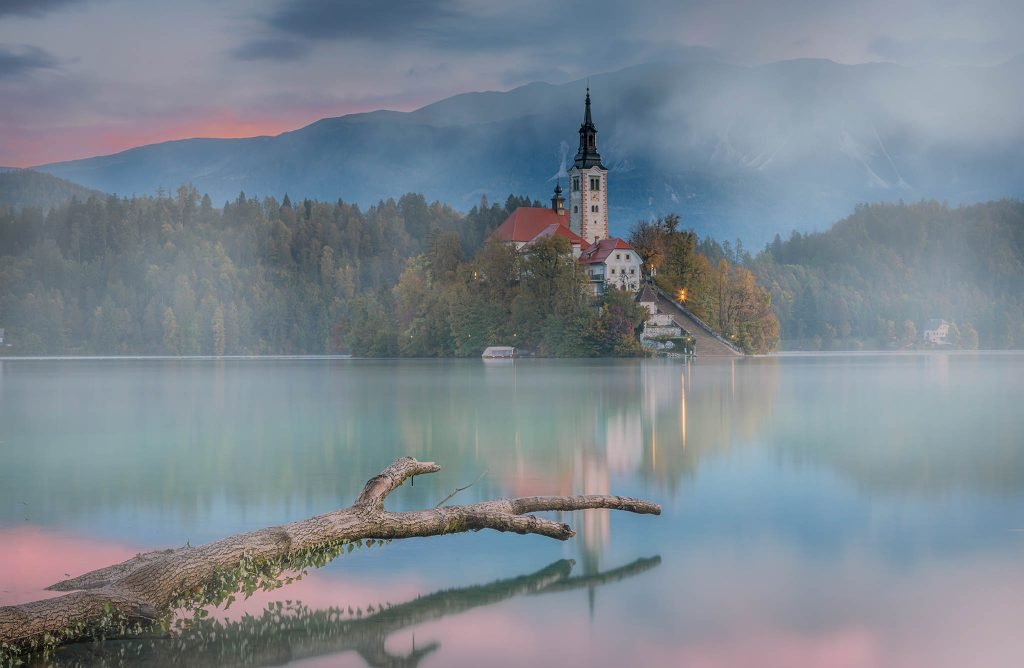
(575, 209)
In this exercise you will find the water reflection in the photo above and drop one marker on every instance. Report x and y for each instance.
(191, 439)
(285, 632)
(837, 510)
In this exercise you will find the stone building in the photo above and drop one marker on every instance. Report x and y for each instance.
(584, 222)
(588, 185)
(612, 262)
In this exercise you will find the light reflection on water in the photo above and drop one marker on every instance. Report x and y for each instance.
(832, 510)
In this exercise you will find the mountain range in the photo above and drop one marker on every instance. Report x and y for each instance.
(737, 151)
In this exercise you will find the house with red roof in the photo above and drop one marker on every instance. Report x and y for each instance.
(612, 263)
(608, 261)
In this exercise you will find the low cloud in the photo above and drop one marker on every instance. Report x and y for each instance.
(271, 49)
(32, 8)
(943, 51)
(18, 61)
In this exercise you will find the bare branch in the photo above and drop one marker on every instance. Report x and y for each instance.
(461, 489)
(391, 478)
(536, 504)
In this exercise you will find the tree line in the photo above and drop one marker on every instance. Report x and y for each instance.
(711, 279)
(173, 275)
(875, 279)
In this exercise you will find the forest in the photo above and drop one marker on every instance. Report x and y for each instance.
(711, 279)
(173, 275)
(876, 278)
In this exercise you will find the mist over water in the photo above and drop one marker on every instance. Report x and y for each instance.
(861, 510)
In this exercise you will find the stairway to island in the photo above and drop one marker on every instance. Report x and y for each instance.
(707, 344)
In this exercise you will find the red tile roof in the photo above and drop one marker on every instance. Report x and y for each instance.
(526, 222)
(560, 230)
(600, 250)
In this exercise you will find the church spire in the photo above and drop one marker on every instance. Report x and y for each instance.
(558, 200)
(587, 155)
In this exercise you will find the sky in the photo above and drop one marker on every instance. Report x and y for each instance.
(87, 77)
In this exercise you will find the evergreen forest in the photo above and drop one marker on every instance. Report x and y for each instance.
(171, 274)
(876, 279)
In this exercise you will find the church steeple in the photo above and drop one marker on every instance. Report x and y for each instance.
(587, 155)
(588, 185)
(557, 200)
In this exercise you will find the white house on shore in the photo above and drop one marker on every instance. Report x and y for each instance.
(936, 331)
(612, 263)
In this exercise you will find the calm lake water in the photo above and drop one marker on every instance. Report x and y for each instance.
(863, 510)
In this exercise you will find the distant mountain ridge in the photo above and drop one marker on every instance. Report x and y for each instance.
(737, 151)
(25, 188)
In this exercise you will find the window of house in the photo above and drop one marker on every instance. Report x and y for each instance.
(575, 209)
(618, 256)
(632, 271)
(627, 256)
(595, 183)
(576, 183)
(613, 271)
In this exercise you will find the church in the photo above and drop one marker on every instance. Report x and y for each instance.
(584, 222)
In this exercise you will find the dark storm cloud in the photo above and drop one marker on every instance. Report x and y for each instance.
(271, 49)
(442, 24)
(34, 8)
(358, 19)
(16, 61)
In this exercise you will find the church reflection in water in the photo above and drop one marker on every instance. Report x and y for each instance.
(652, 421)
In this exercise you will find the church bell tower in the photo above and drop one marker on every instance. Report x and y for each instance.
(588, 185)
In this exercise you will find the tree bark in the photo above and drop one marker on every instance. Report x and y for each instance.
(148, 585)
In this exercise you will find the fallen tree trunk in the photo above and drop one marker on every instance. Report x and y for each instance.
(144, 588)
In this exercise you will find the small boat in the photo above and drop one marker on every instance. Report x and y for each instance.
(499, 353)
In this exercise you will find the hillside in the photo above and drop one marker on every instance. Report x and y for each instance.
(24, 188)
(736, 151)
(878, 276)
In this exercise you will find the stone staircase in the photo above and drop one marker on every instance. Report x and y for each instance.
(708, 344)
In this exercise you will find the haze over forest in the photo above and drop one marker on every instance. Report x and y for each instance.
(737, 151)
(747, 120)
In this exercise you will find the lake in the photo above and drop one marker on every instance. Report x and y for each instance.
(831, 510)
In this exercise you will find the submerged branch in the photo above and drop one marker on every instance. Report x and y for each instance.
(296, 632)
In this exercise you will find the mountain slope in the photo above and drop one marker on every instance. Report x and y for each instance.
(24, 188)
(736, 150)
